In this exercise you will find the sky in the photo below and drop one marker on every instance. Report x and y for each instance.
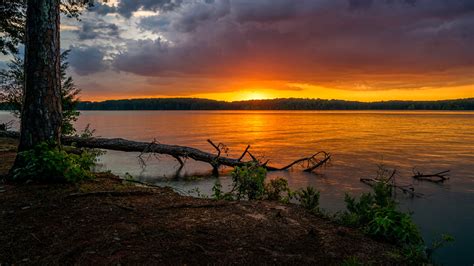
(364, 50)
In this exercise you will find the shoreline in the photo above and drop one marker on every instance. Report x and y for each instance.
(108, 221)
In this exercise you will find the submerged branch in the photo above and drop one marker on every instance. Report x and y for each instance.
(309, 163)
(407, 189)
(435, 178)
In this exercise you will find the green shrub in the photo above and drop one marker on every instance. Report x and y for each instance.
(309, 199)
(275, 189)
(249, 181)
(394, 226)
(378, 216)
(48, 162)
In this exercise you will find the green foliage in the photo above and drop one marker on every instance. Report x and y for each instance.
(249, 181)
(13, 14)
(48, 162)
(378, 216)
(69, 97)
(275, 188)
(11, 91)
(309, 199)
(87, 132)
(394, 226)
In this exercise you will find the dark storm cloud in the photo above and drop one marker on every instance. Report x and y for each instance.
(87, 60)
(127, 7)
(90, 30)
(314, 41)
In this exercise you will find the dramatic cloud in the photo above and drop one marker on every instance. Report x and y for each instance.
(298, 48)
(87, 60)
(334, 43)
(127, 7)
(97, 29)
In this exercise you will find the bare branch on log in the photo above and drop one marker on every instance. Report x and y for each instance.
(406, 189)
(215, 164)
(254, 159)
(148, 150)
(244, 153)
(435, 178)
(174, 151)
(309, 163)
(219, 147)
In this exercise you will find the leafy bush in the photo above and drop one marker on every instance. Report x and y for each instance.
(378, 216)
(309, 199)
(394, 226)
(249, 181)
(275, 188)
(48, 162)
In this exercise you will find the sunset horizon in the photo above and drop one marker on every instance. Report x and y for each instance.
(358, 50)
(82, 99)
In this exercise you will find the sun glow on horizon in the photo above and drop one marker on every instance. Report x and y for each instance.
(253, 95)
(308, 91)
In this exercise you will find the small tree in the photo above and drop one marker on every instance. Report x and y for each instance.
(12, 87)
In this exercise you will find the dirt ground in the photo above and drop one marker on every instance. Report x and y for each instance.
(107, 221)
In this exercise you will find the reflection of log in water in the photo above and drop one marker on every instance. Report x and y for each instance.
(183, 152)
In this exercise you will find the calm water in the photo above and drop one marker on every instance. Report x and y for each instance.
(358, 141)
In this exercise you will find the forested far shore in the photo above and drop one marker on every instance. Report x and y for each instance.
(273, 104)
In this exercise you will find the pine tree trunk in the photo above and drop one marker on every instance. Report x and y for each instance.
(41, 115)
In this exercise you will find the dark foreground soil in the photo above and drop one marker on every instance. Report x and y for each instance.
(106, 221)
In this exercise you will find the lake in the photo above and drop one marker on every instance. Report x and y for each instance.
(358, 141)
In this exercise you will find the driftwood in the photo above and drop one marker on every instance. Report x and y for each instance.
(406, 189)
(181, 153)
(435, 178)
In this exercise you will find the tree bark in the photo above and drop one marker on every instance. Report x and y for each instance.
(41, 115)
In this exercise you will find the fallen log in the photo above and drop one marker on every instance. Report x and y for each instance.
(181, 152)
(435, 178)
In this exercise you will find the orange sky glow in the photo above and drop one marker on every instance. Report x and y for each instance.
(242, 50)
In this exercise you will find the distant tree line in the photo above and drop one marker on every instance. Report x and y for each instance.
(275, 104)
